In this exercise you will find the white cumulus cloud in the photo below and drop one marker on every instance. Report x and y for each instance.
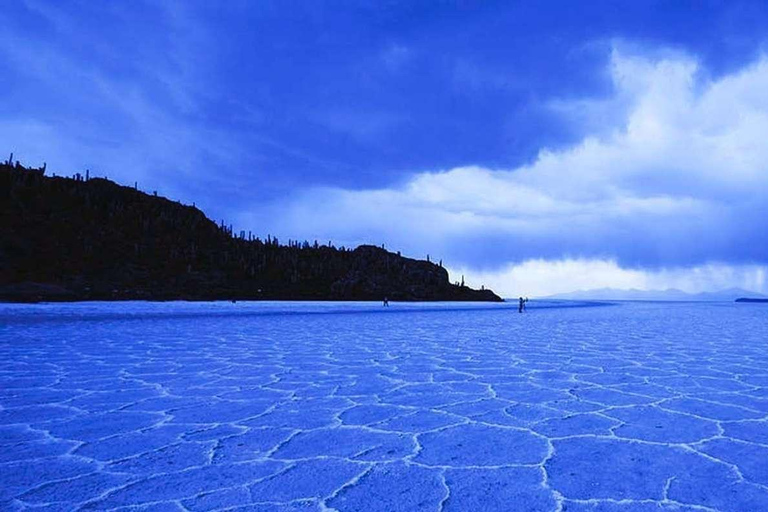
(682, 182)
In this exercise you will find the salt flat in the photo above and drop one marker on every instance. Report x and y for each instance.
(282, 407)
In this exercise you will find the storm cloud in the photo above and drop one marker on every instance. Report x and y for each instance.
(683, 181)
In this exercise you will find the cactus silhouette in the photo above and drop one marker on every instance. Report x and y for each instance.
(103, 241)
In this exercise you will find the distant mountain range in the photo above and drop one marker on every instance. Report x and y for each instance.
(729, 294)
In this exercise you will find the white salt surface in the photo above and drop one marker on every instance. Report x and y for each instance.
(352, 406)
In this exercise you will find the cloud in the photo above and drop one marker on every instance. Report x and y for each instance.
(87, 94)
(670, 171)
(681, 182)
(541, 278)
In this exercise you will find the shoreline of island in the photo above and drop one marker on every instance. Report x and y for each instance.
(57, 295)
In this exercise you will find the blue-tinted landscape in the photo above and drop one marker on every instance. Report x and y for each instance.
(253, 256)
(633, 406)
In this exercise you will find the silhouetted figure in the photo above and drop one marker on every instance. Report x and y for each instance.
(386, 302)
(521, 306)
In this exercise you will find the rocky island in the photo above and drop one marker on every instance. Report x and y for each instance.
(81, 238)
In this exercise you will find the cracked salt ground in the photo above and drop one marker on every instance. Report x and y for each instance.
(300, 407)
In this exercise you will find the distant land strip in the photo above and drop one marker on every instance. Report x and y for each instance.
(81, 238)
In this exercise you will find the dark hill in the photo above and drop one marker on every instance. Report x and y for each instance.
(91, 239)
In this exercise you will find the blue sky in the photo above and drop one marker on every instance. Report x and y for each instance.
(536, 147)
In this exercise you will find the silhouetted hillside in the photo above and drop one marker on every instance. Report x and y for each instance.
(80, 239)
